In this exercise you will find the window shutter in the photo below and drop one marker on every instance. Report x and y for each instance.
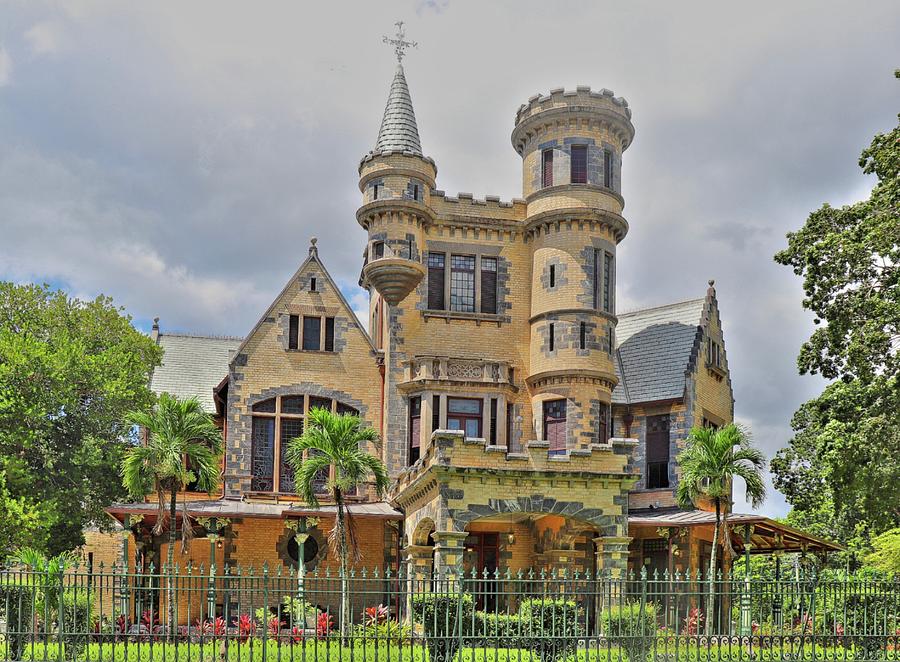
(293, 331)
(329, 334)
(436, 276)
(489, 285)
(547, 168)
(607, 168)
(578, 164)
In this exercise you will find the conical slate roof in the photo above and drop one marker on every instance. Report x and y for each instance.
(398, 132)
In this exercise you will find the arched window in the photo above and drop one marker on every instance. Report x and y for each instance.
(275, 422)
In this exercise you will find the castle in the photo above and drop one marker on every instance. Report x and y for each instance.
(524, 420)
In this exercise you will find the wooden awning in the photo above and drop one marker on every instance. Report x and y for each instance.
(766, 534)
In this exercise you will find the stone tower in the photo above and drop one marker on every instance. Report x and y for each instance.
(571, 144)
(395, 179)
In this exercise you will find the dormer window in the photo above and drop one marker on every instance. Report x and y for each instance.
(547, 168)
(578, 164)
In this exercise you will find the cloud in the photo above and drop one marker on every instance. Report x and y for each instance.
(6, 67)
(43, 38)
(180, 156)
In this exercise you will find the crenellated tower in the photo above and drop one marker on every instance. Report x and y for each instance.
(571, 144)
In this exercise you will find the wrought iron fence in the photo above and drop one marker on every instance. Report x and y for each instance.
(201, 614)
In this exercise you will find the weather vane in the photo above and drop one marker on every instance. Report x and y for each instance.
(399, 42)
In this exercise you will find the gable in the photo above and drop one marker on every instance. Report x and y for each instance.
(654, 349)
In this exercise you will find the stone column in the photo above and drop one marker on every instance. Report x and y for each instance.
(612, 556)
(419, 562)
(448, 552)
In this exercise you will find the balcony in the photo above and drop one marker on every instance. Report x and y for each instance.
(428, 370)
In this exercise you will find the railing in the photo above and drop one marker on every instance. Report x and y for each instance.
(202, 614)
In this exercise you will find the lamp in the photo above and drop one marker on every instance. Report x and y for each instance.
(511, 537)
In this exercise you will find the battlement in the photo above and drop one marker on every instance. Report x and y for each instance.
(451, 449)
(582, 95)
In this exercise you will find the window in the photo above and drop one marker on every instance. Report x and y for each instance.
(578, 164)
(312, 284)
(436, 281)
(552, 275)
(552, 338)
(415, 191)
(713, 353)
(489, 285)
(375, 192)
(555, 425)
(547, 168)
(582, 335)
(610, 340)
(274, 423)
(378, 250)
(604, 423)
(312, 333)
(657, 442)
(709, 424)
(464, 414)
(462, 283)
(607, 168)
(415, 429)
(329, 334)
(436, 412)
(493, 437)
(293, 331)
(608, 282)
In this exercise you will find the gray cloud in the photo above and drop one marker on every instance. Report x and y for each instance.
(178, 156)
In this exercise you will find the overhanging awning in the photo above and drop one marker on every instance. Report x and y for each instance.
(229, 508)
(767, 535)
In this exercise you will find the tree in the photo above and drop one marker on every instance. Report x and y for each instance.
(183, 446)
(886, 552)
(846, 448)
(69, 371)
(335, 443)
(709, 463)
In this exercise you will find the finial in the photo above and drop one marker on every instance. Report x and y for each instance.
(399, 42)
(156, 323)
(711, 282)
(312, 246)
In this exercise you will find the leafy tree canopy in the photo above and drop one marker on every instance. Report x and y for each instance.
(843, 464)
(69, 372)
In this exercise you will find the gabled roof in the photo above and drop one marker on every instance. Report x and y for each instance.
(192, 365)
(654, 348)
(399, 132)
(313, 257)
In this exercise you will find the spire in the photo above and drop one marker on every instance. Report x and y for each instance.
(398, 130)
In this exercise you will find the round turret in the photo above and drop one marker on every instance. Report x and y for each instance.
(571, 143)
(396, 181)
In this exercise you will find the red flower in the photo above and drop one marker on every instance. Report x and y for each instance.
(692, 622)
(246, 627)
(376, 615)
(324, 624)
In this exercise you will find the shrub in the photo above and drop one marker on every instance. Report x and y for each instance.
(438, 613)
(632, 626)
(388, 630)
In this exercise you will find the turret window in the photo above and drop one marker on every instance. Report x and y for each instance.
(555, 426)
(608, 168)
(582, 335)
(375, 192)
(578, 164)
(604, 280)
(547, 168)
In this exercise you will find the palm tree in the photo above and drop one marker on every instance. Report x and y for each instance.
(708, 465)
(183, 446)
(336, 440)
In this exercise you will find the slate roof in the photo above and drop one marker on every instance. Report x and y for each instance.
(399, 132)
(193, 365)
(654, 349)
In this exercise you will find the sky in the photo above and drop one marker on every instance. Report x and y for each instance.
(178, 156)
